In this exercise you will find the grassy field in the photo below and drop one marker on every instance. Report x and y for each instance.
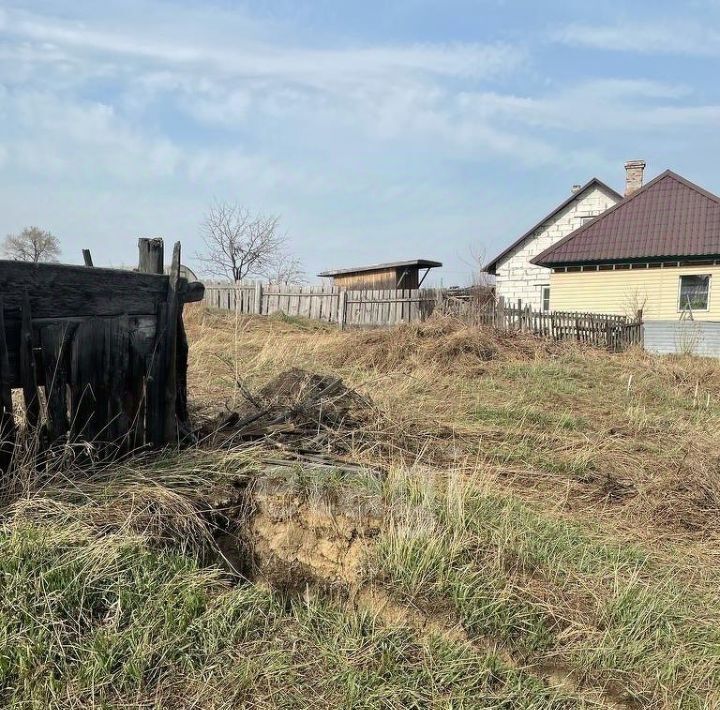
(537, 527)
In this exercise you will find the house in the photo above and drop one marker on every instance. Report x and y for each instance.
(395, 274)
(516, 276)
(657, 250)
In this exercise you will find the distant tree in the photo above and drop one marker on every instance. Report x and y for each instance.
(285, 269)
(239, 244)
(32, 244)
(475, 259)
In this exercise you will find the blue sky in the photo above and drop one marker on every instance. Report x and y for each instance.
(376, 130)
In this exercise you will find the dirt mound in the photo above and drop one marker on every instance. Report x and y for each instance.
(442, 342)
(299, 411)
(324, 399)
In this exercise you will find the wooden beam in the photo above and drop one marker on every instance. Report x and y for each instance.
(87, 257)
(152, 255)
(170, 359)
(191, 292)
(62, 291)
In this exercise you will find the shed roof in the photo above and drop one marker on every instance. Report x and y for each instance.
(668, 217)
(418, 263)
(594, 182)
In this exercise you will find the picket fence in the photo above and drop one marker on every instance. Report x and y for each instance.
(387, 307)
(614, 332)
(380, 307)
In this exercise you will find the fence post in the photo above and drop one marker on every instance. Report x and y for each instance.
(171, 347)
(342, 309)
(258, 298)
(151, 256)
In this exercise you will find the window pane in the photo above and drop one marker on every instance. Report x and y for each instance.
(694, 292)
(546, 298)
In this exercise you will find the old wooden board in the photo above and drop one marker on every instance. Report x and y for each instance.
(59, 291)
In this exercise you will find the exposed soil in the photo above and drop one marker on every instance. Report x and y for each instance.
(293, 531)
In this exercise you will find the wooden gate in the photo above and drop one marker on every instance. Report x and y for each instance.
(100, 354)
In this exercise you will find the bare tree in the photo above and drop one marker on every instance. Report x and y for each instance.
(32, 244)
(238, 243)
(475, 259)
(285, 269)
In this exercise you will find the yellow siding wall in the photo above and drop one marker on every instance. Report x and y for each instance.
(624, 291)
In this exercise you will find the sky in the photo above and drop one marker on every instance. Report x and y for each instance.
(376, 130)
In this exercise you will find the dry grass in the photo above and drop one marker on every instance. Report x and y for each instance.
(547, 538)
(630, 437)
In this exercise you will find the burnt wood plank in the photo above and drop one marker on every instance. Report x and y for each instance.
(191, 292)
(143, 325)
(154, 383)
(117, 373)
(55, 339)
(27, 364)
(99, 377)
(181, 404)
(59, 290)
(7, 420)
(170, 354)
(86, 381)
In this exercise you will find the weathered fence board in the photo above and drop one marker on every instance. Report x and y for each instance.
(59, 290)
(355, 308)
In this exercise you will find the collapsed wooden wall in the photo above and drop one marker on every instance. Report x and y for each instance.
(100, 354)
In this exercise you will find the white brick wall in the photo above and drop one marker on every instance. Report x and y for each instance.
(516, 278)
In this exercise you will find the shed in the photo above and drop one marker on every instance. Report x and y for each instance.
(393, 274)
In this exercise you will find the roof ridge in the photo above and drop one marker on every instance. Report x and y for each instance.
(579, 232)
(573, 196)
(624, 201)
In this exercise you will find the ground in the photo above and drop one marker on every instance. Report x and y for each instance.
(498, 522)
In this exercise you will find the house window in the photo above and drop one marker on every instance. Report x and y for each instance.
(545, 298)
(694, 292)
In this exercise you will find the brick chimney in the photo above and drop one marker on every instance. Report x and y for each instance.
(634, 170)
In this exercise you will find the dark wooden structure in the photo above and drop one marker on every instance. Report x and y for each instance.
(392, 275)
(100, 354)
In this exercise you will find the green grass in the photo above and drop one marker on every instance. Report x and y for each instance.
(555, 592)
(88, 621)
(522, 417)
(110, 597)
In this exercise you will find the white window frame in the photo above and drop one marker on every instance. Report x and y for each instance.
(680, 309)
(542, 297)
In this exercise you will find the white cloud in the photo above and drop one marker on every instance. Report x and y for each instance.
(250, 58)
(674, 36)
(156, 108)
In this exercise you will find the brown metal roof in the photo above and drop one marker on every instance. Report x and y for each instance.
(419, 263)
(594, 182)
(668, 217)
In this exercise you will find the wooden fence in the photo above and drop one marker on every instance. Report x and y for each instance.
(383, 307)
(607, 330)
(100, 354)
(396, 306)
